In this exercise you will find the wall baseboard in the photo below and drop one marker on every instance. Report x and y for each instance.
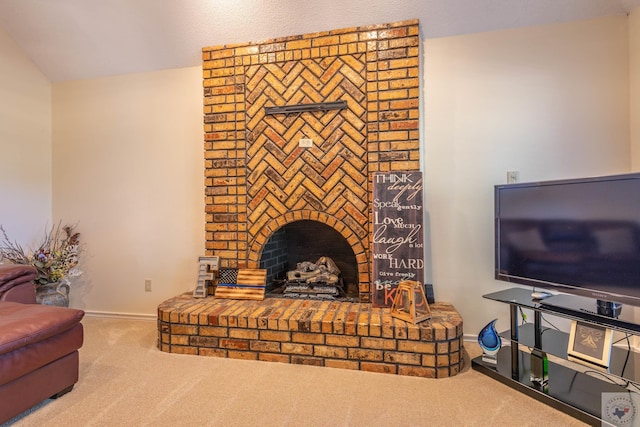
(115, 315)
(470, 337)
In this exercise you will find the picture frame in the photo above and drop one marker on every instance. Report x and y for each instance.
(590, 343)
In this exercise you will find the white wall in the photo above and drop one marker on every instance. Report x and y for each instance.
(550, 102)
(634, 84)
(129, 169)
(25, 146)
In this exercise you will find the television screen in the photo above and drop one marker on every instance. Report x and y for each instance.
(579, 236)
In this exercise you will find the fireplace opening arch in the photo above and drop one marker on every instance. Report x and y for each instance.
(309, 241)
(307, 236)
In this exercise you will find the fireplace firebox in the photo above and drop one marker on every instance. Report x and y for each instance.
(307, 242)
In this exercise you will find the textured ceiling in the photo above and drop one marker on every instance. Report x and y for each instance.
(80, 39)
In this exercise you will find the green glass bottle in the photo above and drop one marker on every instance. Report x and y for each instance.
(539, 368)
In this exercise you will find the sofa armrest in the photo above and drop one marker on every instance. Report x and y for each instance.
(16, 283)
(24, 293)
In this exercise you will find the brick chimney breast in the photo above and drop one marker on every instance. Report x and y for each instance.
(260, 176)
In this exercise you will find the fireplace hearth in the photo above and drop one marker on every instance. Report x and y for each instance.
(337, 334)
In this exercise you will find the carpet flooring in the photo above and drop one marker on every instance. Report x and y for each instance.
(126, 381)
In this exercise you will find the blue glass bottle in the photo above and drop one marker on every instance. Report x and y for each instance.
(490, 343)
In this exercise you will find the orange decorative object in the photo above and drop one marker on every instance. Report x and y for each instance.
(410, 303)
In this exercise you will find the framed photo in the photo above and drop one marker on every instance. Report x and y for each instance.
(590, 343)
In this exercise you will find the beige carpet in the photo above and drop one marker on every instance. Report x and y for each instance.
(126, 381)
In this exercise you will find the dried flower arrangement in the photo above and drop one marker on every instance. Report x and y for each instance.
(56, 258)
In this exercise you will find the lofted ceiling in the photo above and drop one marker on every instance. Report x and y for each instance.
(82, 39)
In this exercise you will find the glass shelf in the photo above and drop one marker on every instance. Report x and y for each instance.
(622, 364)
(570, 307)
(572, 392)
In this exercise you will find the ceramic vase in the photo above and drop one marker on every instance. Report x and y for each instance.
(53, 294)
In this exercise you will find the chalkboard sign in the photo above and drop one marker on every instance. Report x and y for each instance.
(398, 233)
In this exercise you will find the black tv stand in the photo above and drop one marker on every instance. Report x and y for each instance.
(573, 388)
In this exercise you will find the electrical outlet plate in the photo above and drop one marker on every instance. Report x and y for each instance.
(513, 176)
(305, 142)
(147, 285)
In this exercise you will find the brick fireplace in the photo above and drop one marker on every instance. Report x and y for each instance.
(258, 177)
(263, 187)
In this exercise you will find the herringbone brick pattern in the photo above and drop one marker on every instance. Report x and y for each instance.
(329, 177)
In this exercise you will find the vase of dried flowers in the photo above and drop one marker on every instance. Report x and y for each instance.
(56, 293)
(56, 260)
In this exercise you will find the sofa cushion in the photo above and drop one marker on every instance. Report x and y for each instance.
(25, 324)
(23, 360)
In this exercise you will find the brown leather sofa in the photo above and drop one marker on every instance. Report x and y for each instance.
(38, 344)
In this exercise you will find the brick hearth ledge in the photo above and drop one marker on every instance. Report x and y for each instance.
(322, 333)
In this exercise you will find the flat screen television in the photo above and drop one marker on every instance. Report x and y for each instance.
(578, 236)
